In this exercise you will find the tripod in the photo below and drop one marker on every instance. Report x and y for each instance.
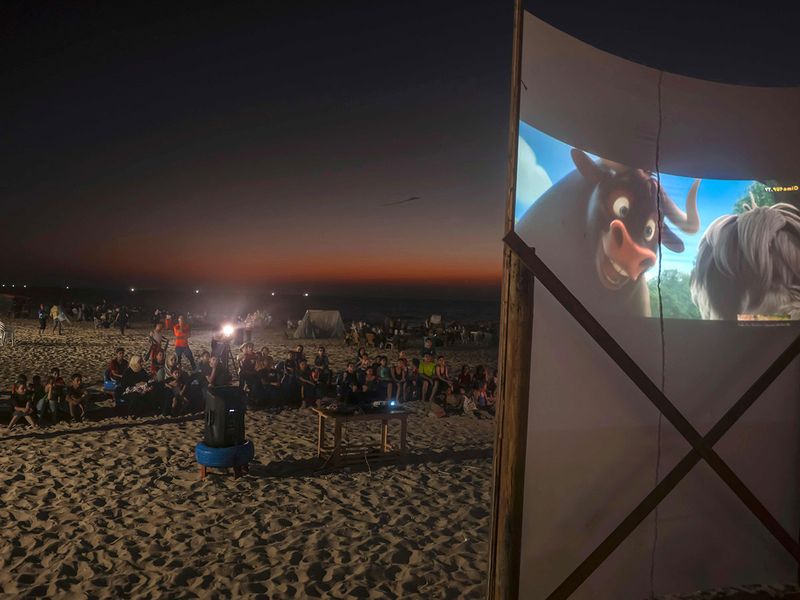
(222, 350)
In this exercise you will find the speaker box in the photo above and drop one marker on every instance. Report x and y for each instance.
(224, 417)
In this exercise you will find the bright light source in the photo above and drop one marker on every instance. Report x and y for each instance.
(67, 287)
(305, 294)
(273, 293)
(227, 330)
(24, 285)
(133, 289)
(197, 291)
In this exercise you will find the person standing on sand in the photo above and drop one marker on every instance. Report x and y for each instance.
(122, 319)
(54, 316)
(42, 315)
(183, 332)
(157, 340)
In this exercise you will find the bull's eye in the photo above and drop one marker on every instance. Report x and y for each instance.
(621, 207)
(649, 230)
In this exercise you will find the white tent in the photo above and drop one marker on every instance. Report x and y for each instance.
(317, 324)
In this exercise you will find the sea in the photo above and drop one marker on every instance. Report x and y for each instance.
(221, 305)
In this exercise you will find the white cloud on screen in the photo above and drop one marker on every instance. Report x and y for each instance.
(532, 179)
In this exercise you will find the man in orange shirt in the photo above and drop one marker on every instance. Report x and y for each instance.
(182, 333)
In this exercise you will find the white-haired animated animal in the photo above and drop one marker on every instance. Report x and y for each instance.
(750, 264)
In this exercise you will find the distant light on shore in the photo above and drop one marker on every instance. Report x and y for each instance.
(67, 287)
(197, 291)
(133, 289)
(273, 293)
(305, 293)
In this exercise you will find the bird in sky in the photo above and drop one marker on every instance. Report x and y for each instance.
(396, 202)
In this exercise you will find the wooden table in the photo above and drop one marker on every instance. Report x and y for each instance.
(339, 454)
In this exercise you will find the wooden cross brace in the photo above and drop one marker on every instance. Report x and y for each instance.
(702, 446)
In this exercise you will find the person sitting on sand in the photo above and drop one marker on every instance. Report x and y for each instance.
(268, 387)
(157, 363)
(299, 353)
(491, 386)
(371, 386)
(247, 367)
(441, 378)
(479, 378)
(175, 399)
(385, 379)
(482, 399)
(21, 403)
(76, 397)
(218, 376)
(133, 386)
(469, 405)
(427, 373)
(413, 380)
(312, 388)
(117, 366)
(307, 385)
(204, 364)
(362, 351)
(56, 389)
(38, 395)
(348, 383)
(400, 377)
(427, 347)
(322, 362)
(465, 377)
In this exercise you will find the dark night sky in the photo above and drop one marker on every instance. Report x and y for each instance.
(254, 143)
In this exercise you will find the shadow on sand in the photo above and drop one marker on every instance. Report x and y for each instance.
(39, 434)
(317, 466)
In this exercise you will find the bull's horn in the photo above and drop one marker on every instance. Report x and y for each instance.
(689, 221)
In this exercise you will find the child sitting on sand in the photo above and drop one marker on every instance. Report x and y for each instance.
(76, 397)
(21, 401)
(38, 395)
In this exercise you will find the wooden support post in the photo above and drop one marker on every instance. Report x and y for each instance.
(516, 330)
(384, 436)
(320, 434)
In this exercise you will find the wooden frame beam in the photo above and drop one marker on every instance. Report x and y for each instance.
(701, 445)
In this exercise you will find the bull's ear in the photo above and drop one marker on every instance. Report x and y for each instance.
(587, 167)
(670, 240)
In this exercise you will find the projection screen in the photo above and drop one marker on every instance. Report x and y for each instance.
(600, 139)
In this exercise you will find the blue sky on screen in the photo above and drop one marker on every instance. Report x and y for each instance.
(544, 160)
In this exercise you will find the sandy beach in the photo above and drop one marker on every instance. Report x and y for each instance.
(114, 508)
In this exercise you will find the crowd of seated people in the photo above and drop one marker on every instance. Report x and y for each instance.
(34, 401)
(156, 383)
